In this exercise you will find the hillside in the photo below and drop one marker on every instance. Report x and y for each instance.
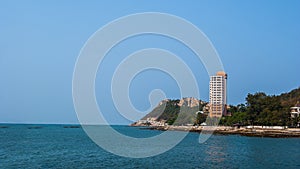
(168, 110)
(260, 109)
(291, 98)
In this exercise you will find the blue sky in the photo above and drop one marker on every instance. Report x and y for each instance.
(257, 41)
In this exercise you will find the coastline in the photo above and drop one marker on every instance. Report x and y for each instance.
(250, 131)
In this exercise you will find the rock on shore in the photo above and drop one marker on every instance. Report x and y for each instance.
(226, 130)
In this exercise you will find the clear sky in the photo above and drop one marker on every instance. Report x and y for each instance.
(258, 43)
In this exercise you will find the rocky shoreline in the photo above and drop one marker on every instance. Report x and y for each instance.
(226, 130)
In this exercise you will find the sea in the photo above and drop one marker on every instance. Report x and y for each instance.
(62, 146)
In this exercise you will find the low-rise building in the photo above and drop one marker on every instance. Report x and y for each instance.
(295, 111)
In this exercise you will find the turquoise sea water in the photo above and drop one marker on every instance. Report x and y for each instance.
(54, 146)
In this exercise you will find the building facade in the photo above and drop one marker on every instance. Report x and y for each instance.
(218, 94)
(295, 111)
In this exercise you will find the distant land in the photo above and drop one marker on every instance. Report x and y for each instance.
(259, 109)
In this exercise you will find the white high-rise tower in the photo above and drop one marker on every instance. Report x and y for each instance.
(218, 95)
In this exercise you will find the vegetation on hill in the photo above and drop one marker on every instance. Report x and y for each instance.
(261, 109)
(173, 114)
